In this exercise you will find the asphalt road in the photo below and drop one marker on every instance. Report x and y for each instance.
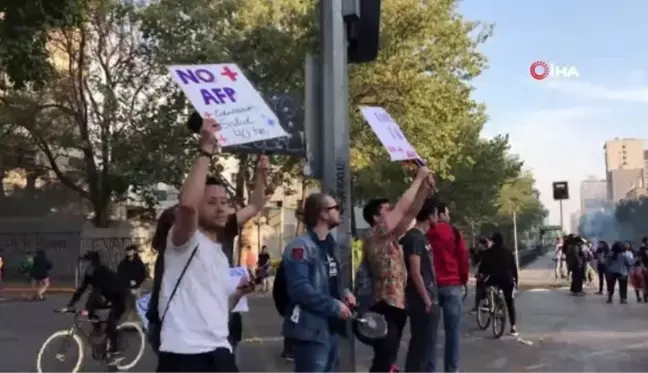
(559, 332)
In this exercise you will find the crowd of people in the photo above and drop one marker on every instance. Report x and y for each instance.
(416, 267)
(620, 264)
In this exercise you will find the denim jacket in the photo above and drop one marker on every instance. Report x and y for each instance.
(306, 271)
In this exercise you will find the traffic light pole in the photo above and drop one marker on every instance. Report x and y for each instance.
(562, 227)
(335, 142)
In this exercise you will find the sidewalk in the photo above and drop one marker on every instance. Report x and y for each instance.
(540, 274)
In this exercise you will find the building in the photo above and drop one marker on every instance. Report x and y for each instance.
(625, 166)
(593, 195)
(574, 222)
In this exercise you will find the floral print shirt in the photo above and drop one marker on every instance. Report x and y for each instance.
(387, 266)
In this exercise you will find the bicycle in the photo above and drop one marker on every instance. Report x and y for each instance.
(98, 343)
(492, 307)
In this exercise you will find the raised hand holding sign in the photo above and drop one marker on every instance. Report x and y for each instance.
(222, 92)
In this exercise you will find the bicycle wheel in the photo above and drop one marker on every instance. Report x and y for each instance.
(67, 340)
(483, 314)
(131, 339)
(499, 317)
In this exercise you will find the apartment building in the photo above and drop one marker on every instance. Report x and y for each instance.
(625, 166)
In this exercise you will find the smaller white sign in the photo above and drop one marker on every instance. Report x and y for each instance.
(222, 92)
(389, 133)
(236, 274)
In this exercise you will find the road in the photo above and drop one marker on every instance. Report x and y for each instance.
(568, 334)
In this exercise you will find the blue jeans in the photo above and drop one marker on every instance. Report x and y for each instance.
(450, 304)
(316, 357)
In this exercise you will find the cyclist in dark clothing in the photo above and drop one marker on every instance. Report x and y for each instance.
(132, 269)
(498, 268)
(105, 285)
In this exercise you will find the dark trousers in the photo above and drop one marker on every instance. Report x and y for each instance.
(612, 279)
(578, 276)
(288, 346)
(235, 327)
(422, 326)
(117, 308)
(600, 269)
(508, 290)
(386, 349)
(219, 360)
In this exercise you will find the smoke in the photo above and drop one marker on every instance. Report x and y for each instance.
(603, 225)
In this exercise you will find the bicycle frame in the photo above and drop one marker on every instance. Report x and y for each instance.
(77, 329)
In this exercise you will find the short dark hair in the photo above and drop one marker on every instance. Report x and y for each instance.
(162, 228)
(211, 180)
(442, 207)
(313, 208)
(372, 208)
(497, 238)
(195, 122)
(429, 208)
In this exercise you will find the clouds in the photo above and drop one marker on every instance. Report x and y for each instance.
(555, 147)
(633, 93)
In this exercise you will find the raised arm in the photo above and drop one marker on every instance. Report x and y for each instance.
(193, 189)
(424, 191)
(395, 217)
(258, 197)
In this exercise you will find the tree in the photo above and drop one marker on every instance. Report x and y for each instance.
(268, 40)
(632, 219)
(98, 108)
(24, 32)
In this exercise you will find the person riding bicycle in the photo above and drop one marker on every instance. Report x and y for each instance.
(498, 268)
(106, 285)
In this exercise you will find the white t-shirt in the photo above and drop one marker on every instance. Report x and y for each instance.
(198, 315)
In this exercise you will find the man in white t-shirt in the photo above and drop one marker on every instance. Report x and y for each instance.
(194, 334)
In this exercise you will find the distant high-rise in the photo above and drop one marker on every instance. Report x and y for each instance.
(593, 195)
(625, 163)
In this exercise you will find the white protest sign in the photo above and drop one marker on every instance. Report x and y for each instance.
(222, 92)
(236, 274)
(389, 134)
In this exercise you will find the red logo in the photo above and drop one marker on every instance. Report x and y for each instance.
(539, 70)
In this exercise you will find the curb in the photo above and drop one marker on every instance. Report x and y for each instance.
(31, 290)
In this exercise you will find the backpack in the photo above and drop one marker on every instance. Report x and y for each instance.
(280, 291)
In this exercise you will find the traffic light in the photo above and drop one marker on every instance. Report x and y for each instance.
(363, 33)
(560, 190)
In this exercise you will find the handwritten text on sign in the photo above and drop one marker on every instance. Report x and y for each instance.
(222, 92)
(389, 134)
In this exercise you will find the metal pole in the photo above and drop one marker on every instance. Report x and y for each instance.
(515, 239)
(335, 141)
(562, 228)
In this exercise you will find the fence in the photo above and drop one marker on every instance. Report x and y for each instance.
(62, 250)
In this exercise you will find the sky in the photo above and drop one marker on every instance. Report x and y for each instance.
(558, 125)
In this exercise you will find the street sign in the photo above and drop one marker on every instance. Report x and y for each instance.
(560, 190)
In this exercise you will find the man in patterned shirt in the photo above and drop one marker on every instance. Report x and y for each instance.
(387, 264)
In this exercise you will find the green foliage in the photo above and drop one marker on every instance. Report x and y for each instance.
(632, 219)
(24, 31)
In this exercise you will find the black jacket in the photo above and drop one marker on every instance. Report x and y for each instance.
(498, 264)
(104, 282)
(132, 270)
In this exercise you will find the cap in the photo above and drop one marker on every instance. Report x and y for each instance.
(92, 256)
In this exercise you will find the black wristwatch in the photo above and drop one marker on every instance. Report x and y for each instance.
(204, 153)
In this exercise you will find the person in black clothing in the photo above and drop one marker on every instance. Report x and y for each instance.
(263, 268)
(602, 252)
(40, 273)
(498, 268)
(106, 285)
(420, 291)
(482, 244)
(132, 269)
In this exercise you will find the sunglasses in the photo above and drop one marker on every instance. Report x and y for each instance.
(335, 207)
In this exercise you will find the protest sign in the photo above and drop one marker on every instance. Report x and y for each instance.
(222, 92)
(236, 274)
(290, 110)
(389, 134)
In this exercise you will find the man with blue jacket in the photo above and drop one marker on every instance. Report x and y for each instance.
(319, 305)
